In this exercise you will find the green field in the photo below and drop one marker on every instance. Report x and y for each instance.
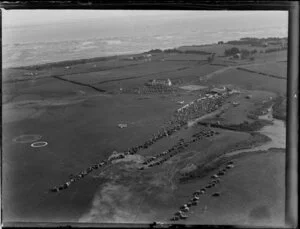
(76, 108)
(273, 69)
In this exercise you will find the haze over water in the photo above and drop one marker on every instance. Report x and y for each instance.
(42, 36)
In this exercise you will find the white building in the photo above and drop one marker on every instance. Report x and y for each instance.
(218, 90)
(237, 56)
(160, 82)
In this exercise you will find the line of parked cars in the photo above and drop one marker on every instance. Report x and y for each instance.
(78, 176)
(177, 148)
(194, 200)
(164, 132)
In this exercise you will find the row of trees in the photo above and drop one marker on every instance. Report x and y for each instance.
(179, 51)
(155, 51)
(260, 42)
(232, 51)
(253, 42)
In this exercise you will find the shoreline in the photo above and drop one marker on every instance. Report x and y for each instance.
(110, 57)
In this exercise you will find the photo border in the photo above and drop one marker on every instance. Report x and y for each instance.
(292, 86)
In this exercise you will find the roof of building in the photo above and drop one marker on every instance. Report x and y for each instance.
(218, 90)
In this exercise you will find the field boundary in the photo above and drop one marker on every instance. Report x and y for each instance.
(261, 73)
(78, 83)
(71, 73)
(141, 76)
(224, 65)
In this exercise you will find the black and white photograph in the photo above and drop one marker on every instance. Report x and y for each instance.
(136, 116)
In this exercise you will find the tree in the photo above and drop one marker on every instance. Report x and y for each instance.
(253, 51)
(155, 51)
(245, 53)
(211, 58)
(231, 52)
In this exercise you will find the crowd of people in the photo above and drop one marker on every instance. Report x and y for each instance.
(201, 106)
(181, 214)
(195, 109)
(150, 89)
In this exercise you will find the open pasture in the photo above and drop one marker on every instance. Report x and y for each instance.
(250, 81)
(237, 114)
(272, 69)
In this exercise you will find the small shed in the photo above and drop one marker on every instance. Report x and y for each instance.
(235, 104)
(122, 125)
(159, 82)
(237, 56)
(216, 194)
(217, 90)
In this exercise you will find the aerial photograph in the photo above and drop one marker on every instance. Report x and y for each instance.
(144, 117)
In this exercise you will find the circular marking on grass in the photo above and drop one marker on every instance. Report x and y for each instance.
(39, 144)
(27, 138)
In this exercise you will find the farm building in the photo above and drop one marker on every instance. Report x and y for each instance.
(160, 82)
(122, 125)
(129, 58)
(234, 91)
(235, 104)
(145, 57)
(236, 56)
(217, 90)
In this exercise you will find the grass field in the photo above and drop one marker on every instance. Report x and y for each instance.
(185, 57)
(143, 69)
(89, 133)
(276, 69)
(272, 56)
(250, 81)
(245, 197)
(80, 124)
(240, 113)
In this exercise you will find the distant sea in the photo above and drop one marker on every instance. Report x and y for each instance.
(36, 44)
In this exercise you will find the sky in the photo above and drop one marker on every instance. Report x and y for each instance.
(16, 18)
